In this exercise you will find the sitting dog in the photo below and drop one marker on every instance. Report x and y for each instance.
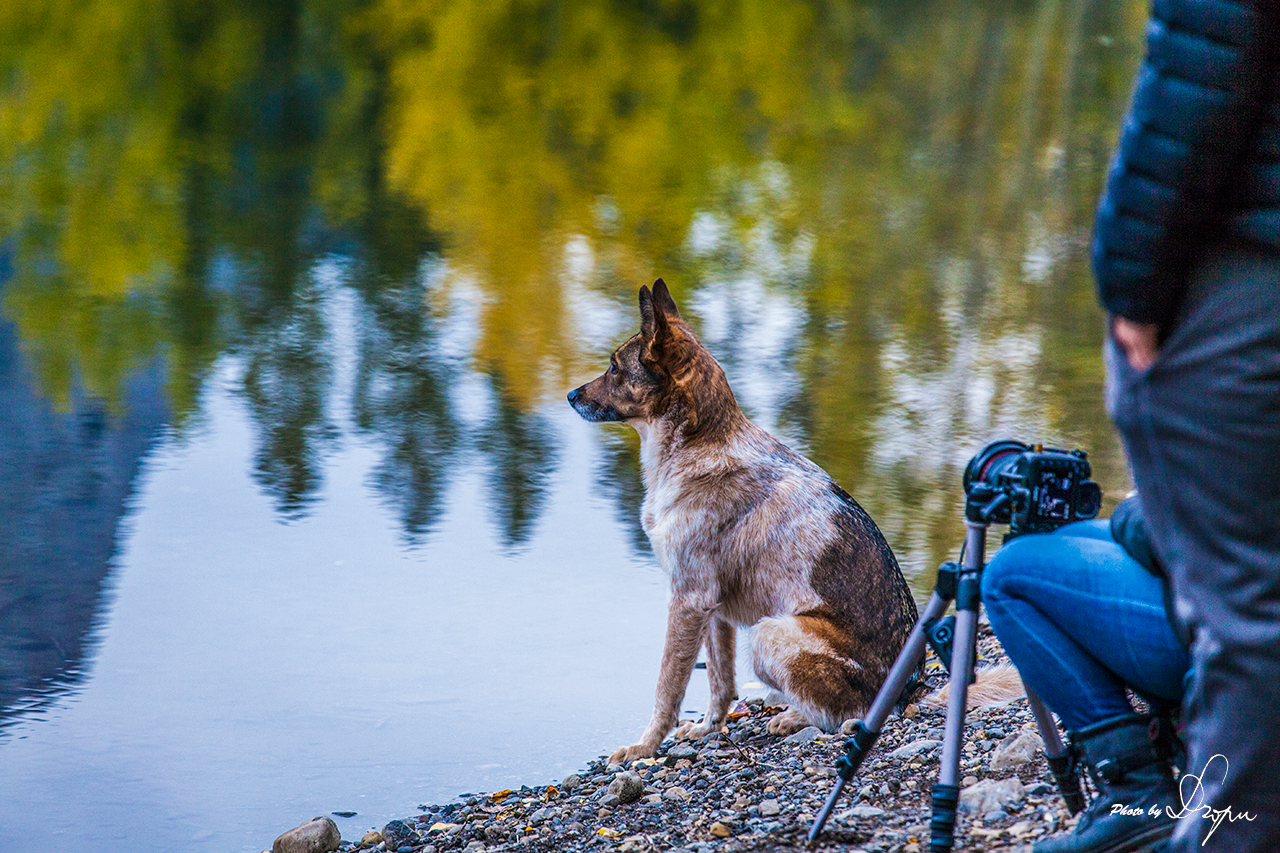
(752, 534)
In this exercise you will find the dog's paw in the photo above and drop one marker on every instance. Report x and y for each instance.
(623, 754)
(693, 731)
(788, 722)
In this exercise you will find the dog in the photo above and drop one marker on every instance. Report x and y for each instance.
(752, 534)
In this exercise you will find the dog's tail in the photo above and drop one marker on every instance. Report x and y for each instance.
(995, 686)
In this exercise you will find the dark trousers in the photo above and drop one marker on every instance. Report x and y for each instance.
(1202, 432)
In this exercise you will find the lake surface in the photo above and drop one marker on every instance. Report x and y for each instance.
(294, 518)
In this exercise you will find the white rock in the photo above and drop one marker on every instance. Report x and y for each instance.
(806, 735)
(916, 747)
(1016, 750)
(864, 812)
(990, 795)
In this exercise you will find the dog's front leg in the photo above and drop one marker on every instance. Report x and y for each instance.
(721, 665)
(686, 626)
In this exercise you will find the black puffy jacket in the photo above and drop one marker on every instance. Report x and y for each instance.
(1199, 153)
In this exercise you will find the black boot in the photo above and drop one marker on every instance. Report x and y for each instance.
(1129, 772)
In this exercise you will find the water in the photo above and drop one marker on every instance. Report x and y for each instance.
(294, 518)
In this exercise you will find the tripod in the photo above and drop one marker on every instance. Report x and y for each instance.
(961, 584)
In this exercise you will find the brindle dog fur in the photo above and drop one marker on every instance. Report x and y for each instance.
(752, 534)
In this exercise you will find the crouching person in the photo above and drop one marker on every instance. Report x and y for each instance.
(1084, 618)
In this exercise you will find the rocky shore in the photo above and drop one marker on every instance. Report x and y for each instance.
(745, 790)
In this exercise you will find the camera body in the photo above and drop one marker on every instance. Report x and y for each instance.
(1031, 488)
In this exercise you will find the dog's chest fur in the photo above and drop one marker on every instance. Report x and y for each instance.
(737, 525)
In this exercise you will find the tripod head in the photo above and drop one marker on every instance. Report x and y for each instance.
(1031, 488)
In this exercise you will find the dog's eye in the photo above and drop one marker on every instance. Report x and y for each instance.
(613, 369)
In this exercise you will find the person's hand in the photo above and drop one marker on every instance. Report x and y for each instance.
(1138, 341)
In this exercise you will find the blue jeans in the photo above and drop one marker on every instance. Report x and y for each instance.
(1082, 620)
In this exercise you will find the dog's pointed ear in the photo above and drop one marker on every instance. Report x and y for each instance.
(663, 302)
(648, 322)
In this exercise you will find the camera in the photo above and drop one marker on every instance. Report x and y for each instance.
(1031, 488)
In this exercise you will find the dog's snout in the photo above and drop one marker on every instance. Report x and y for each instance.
(574, 395)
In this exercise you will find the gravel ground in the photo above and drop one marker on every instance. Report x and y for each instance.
(746, 790)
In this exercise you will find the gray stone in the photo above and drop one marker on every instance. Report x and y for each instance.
(1016, 750)
(675, 792)
(993, 817)
(991, 795)
(916, 747)
(318, 835)
(682, 750)
(626, 786)
(608, 801)
(399, 834)
(570, 782)
(806, 735)
(769, 808)
(865, 812)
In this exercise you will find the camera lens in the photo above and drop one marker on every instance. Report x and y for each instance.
(996, 458)
(1088, 500)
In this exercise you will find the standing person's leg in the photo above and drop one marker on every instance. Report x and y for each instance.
(1202, 429)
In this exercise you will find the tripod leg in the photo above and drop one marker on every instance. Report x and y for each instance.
(868, 729)
(946, 792)
(1061, 761)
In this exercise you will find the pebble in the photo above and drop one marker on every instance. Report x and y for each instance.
(866, 812)
(398, 833)
(769, 808)
(627, 786)
(991, 795)
(1016, 750)
(915, 748)
(806, 735)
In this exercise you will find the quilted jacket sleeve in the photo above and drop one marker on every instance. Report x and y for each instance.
(1197, 98)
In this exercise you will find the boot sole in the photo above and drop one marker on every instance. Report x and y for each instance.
(1135, 843)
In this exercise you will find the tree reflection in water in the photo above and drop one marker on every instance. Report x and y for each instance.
(913, 183)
